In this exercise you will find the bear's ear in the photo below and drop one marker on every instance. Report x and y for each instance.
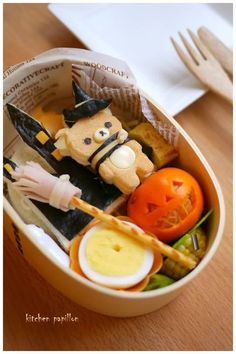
(85, 106)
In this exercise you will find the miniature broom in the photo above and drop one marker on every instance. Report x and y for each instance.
(38, 184)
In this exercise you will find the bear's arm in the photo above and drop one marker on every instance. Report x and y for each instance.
(106, 173)
(135, 146)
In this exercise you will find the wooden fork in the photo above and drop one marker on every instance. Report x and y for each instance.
(204, 66)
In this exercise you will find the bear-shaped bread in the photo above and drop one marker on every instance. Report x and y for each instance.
(100, 141)
(94, 137)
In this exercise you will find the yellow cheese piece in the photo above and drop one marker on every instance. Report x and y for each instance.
(109, 252)
(162, 151)
(57, 155)
(42, 137)
(8, 167)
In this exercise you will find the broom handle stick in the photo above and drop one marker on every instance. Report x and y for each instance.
(146, 239)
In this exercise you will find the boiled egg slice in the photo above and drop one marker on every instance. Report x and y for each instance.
(113, 259)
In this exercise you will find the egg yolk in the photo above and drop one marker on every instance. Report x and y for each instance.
(110, 252)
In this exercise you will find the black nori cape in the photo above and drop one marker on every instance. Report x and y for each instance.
(88, 106)
(94, 190)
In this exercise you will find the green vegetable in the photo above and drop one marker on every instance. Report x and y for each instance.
(185, 246)
(192, 231)
(158, 281)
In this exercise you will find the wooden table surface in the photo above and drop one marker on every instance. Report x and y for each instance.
(200, 318)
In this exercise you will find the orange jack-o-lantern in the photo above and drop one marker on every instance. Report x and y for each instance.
(167, 204)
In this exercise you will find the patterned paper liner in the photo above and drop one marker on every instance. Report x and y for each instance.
(47, 77)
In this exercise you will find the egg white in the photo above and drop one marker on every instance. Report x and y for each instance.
(115, 282)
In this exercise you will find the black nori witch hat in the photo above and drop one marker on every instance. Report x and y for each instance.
(29, 128)
(85, 106)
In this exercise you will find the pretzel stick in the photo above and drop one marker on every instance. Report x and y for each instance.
(146, 239)
(40, 185)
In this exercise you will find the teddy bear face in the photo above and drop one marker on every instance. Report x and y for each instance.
(89, 133)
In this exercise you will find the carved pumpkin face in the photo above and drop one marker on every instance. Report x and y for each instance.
(167, 204)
